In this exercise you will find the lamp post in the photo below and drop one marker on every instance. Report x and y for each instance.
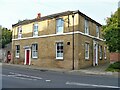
(73, 42)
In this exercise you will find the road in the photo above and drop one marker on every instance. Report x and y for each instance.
(19, 77)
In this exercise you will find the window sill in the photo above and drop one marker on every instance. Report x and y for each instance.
(59, 33)
(86, 58)
(105, 58)
(100, 58)
(17, 56)
(35, 36)
(59, 58)
(86, 33)
(34, 57)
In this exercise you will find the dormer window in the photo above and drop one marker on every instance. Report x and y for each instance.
(97, 31)
(19, 32)
(59, 25)
(86, 27)
(35, 29)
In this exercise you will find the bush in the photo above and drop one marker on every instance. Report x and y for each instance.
(114, 67)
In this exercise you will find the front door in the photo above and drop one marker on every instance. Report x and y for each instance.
(27, 57)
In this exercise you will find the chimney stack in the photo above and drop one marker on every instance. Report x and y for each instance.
(39, 16)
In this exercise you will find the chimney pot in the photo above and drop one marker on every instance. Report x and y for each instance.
(39, 16)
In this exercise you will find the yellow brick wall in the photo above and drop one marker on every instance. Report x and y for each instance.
(47, 51)
(47, 45)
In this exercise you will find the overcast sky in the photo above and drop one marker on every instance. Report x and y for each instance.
(13, 10)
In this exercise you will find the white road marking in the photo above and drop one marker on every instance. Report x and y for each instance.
(93, 85)
(48, 80)
(22, 76)
(18, 77)
(28, 76)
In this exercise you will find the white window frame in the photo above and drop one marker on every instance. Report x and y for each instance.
(86, 27)
(17, 52)
(35, 29)
(100, 52)
(62, 51)
(59, 25)
(19, 32)
(105, 52)
(97, 31)
(34, 50)
(87, 50)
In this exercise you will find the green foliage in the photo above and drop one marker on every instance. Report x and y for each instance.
(111, 32)
(114, 67)
(0, 36)
(5, 36)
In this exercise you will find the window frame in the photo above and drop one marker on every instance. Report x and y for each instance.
(35, 29)
(86, 26)
(87, 50)
(17, 51)
(97, 31)
(61, 21)
(61, 51)
(100, 52)
(105, 52)
(19, 32)
(34, 51)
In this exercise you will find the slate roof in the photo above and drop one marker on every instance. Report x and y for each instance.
(52, 16)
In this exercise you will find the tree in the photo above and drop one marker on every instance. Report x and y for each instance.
(0, 36)
(111, 32)
(5, 36)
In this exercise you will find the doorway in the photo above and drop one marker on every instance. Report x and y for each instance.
(27, 57)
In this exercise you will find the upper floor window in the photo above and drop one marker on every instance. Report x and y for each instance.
(100, 52)
(17, 53)
(59, 25)
(35, 29)
(34, 50)
(19, 32)
(86, 50)
(59, 50)
(86, 27)
(97, 31)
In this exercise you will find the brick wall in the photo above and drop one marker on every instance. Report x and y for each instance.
(47, 45)
(114, 57)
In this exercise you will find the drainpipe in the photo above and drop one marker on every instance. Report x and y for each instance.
(73, 61)
(73, 42)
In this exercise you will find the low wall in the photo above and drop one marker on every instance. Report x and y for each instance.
(114, 57)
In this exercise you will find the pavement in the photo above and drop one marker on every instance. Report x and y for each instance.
(97, 70)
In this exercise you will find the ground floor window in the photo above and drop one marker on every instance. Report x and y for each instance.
(17, 53)
(100, 52)
(86, 50)
(105, 50)
(59, 50)
(34, 50)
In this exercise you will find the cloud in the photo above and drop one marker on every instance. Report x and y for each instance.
(13, 10)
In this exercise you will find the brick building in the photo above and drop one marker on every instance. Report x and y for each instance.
(50, 41)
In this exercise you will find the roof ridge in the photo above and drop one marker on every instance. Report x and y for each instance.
(51, 16)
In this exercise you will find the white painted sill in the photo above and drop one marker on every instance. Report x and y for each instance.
(34, 57)
(59, 58)
(17, 56)
(86, 58)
